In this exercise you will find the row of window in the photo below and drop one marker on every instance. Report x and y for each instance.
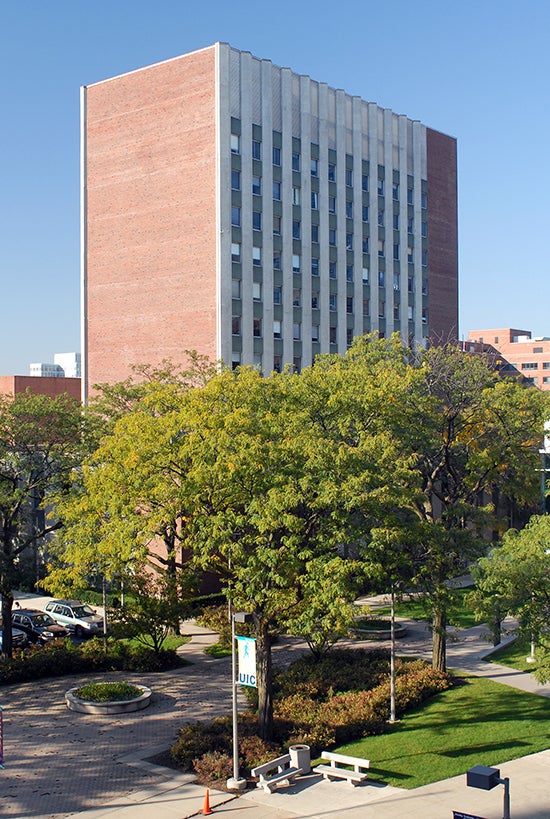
(533, 365)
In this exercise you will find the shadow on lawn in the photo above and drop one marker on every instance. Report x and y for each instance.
(478, 749)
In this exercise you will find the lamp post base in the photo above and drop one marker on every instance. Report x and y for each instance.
(233, 784)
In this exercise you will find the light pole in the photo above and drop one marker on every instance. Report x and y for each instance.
(488, 778)
(236, 782)
(392, 718)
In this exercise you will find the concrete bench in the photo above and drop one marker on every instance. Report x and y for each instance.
(359, 766)
(284, 773)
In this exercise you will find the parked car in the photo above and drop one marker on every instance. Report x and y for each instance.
(37, 625)
(76, 616)
(18, 638)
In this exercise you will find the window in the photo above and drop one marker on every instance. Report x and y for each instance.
(276, 156)
(256, 149)
(276, 329)
(535, 349)
(276, 225)
(314, 266)
(366, 244)
(349, 336)
(332, 335)
(424, 200)
(396, 312)
(410, 196)
(236, 288)
(315, 332)
(529, 365)
(365, 275)
(396, 221)
(365, 213)
(331, 172)
(365, 182)
(366, 307)
(257, 327)
(410, 254)
(349, 304)
(396, 281)
(410, 225)
(235, 144)
(235, 360)
(380, 187)
(315, 301)
(410, 313)
(315, 167)
(395, 190)
(235, 252)
(276, 261)
(236, 325)
(256, 220)
(424, 315)
(296, 331)
(424, 229)
(349, 273)
(381, 308)
(349, 241)
(277, 363)
(332, 237)
(277, 294)
(332, 204)
(277, 190)
(296, 229)
(296, 263)
(424, 258)
(381, 278)
(256, 255)
(315, 233)
(381, 249)
(396, 252)
(349, 209)
(296, 297)
(546, 379)
(257, 185)
(332, 270)
(381, 218)
(236, 216)
(295, 162)
(333, 302)
(314, 200)
(410, 284)
(297, 364)
(349, 177)
(295, 196)
(235, 180)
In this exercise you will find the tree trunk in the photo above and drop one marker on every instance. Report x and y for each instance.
(439, 645)
(7, 603)
(264, 673)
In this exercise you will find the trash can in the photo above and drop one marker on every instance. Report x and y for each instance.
(300, 757)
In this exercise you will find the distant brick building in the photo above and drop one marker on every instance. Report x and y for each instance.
(257, 216)
(530, 356)
(40, 385)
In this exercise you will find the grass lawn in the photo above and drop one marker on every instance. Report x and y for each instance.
(479, 722)
(459, 615)
(218, 650)
(173, 641)
(513, 655)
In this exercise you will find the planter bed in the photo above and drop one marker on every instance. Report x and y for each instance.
(138, 703)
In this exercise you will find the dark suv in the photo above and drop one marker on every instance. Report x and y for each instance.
(37, 625)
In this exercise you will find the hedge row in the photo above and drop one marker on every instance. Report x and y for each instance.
(63, 657)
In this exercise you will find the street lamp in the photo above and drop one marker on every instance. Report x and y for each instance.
(488, 778)
(236, 782)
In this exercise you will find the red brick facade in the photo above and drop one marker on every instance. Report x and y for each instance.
(40, 385)
(442, 237)
(151, 239)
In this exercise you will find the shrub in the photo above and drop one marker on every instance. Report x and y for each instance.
(213, 767)
(108, 691)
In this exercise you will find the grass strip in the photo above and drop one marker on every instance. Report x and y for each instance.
(478, 722)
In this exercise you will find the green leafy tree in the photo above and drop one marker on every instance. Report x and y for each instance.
(514, 579)
(40, 445)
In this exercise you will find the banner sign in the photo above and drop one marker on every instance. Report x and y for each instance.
(247, 661)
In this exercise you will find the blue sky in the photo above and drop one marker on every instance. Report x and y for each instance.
(476, 69)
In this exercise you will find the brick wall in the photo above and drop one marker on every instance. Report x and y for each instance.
(442, 237)
(151, 254)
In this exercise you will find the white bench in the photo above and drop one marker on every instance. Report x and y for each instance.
(284, 773)
(358, 774)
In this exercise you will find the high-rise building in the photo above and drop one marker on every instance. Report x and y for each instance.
(529, 355)
(257, 216)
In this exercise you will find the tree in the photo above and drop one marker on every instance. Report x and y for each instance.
(514, 579)
(40, 445)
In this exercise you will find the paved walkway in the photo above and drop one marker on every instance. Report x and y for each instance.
(59, 763)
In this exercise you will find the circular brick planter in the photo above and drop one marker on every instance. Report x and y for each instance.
(74, 703)
(379, 633)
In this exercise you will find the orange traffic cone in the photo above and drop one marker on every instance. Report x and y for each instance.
(206, 807)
